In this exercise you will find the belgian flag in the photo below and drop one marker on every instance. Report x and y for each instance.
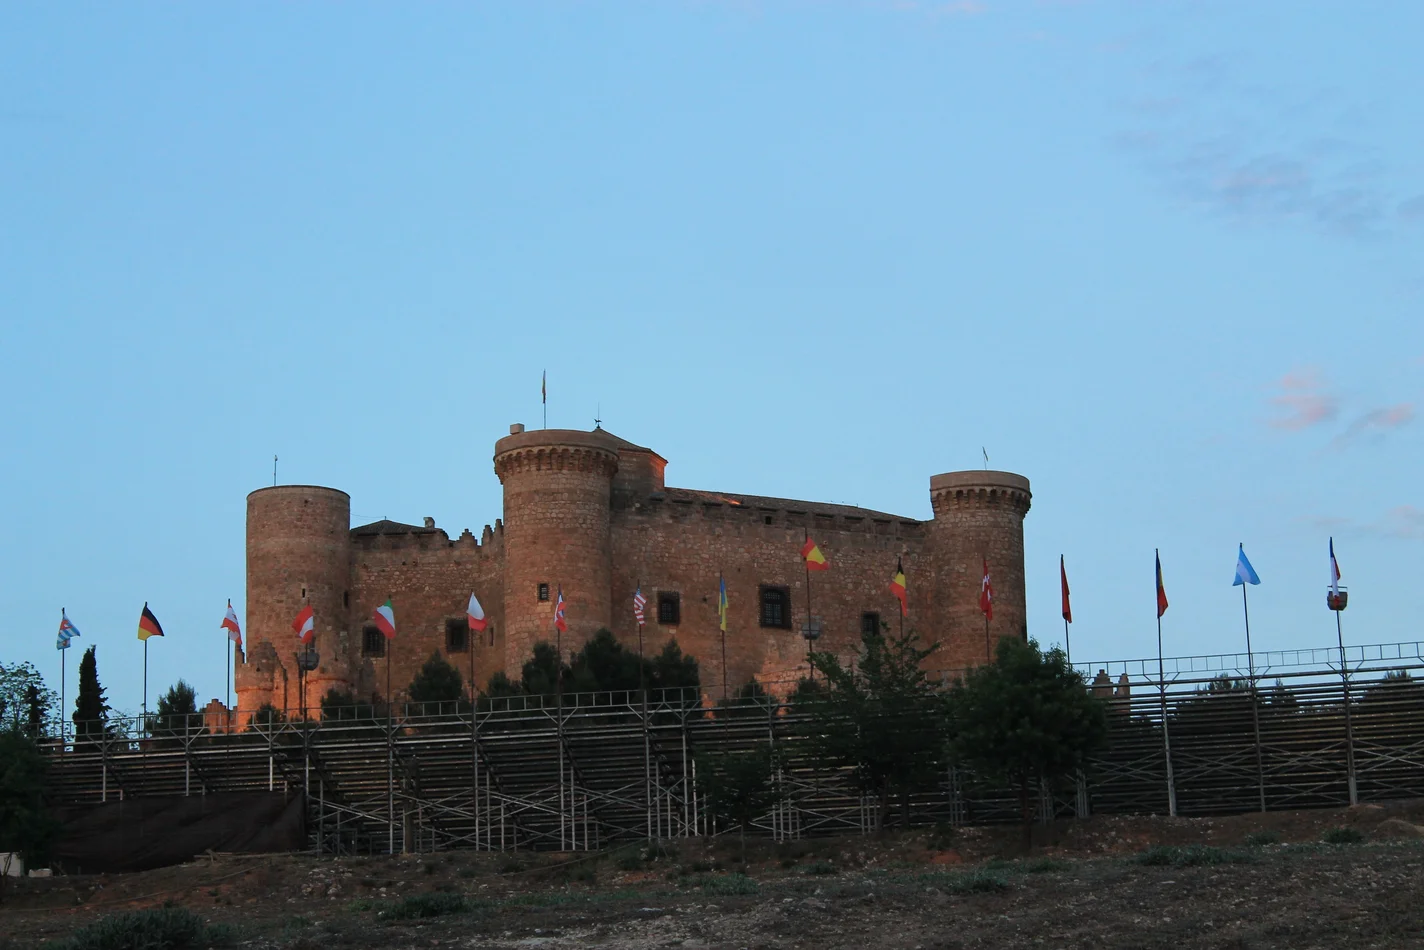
(148, 625)
(897, 587)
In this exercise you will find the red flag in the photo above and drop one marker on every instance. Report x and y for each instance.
(986, 594)
(559, 621)
(1063, 575)
(1161, 591)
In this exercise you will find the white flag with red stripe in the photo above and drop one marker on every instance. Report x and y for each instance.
(476, 614)
(234, 632)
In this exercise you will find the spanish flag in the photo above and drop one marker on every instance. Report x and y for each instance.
(897, 587)
(815, 560)
(148, 624)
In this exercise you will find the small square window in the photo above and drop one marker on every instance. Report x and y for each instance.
(776, 607)
(457, 635)
(543, 590)
(373, 642)
(669, 608)
(870, 624)
(490, 628)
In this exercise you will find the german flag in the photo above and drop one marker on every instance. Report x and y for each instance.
(148, 625)
(815, 560)
(897, 587)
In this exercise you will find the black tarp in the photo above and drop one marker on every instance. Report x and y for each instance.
(143, 833)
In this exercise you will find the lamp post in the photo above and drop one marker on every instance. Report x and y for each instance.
(1337, 599)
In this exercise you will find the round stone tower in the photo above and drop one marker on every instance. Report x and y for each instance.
(558, 487)
(978, 516)
(298, 552)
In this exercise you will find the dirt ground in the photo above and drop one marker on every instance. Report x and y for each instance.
(1275, 882)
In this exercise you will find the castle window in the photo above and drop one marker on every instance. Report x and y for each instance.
(776, 607)
(457, 635)
(669, 607)
(373, 642)
(870, 624)
(346, 598)
(491, 634)
(543, 590)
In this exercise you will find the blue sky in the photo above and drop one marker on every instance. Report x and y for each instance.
(1163, 259)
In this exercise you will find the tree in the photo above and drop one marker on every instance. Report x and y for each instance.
(25, 699)
(1026, 718)
(740, 786)
(543, 672)
(265, 718)
(882, 719)
(672, 669)
(604, 665)
(91, 708)
(26, 825)
(437, 682)
(176, 711)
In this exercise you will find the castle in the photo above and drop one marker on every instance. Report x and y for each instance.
(588, 514)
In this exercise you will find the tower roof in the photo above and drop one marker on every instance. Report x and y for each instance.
(386, 526)
(736, 500)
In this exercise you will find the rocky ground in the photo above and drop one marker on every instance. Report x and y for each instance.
(1344, 878)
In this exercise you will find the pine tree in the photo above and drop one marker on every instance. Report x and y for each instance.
(91, 708)
(1026, 718)
(437, 682)
(176, 713)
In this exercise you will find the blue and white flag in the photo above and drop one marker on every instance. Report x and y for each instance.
(67, 631)
(1245, 573)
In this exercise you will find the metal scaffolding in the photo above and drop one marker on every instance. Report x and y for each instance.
(587, 769)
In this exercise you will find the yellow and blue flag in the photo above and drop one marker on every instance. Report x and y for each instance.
(722, 601)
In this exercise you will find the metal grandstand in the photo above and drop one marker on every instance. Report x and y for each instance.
(582, 770)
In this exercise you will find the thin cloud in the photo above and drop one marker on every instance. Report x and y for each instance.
(1375, 424)
(1405, 522)
(1303, 401)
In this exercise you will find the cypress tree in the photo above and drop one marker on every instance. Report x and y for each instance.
(91, 708)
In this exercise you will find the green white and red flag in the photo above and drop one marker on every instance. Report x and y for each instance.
(385, 619)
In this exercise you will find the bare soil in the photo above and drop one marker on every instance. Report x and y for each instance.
(1084, 885)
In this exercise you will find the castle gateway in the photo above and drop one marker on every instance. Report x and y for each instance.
(588, 514)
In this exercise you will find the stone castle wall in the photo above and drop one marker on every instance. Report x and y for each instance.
(589, 512)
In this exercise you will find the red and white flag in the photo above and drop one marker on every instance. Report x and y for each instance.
(639, 602)
(1334, 572)
(234, 632)
(559, 623)
(986, 594)
(304, 624)
(1063, 577)
(476, 614)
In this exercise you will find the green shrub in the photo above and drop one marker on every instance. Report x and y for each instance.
(165, 928)
(729, 885)
(971, 882)
(420, 906)
(819, 867)
(1046, 866)
(1259, 839)
(1342, 836)
(629, 861)
(1190, 857)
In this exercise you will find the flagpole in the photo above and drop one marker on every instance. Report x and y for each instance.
(559, 697)
(62, 652)
(390, 755)
(145, 687)
(647, 747)
(1162, 694)
(227, 684)
(810, 665)
(1067, 645)
(722, 623)
(1349, 730)
(1255, 711)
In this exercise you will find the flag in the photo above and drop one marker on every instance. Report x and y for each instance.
(639, 602)
(1063, 577)
(304, 624)
(385, 619)
(476, 615)
(1161, 591)
(986, 594)
(722, 601)
(1245, 573)
(897, 587)
(560, 623)
(815, 560)
(67, 631)
(1335, 574)
(544, 388)
(148, 625)
(234, 632)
